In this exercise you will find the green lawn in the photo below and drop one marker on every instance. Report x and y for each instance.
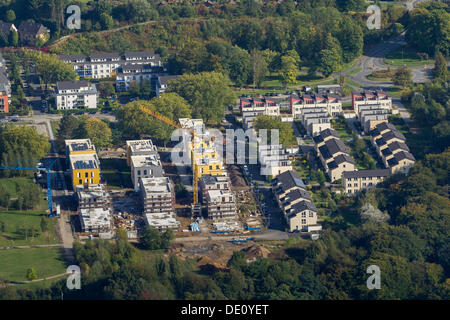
(354, 71)
(116, 173)
(55, 126)
(14, 263)
(406, 56)
(12, 184)
(15, 234)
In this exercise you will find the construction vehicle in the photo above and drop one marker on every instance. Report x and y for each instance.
(196, 207)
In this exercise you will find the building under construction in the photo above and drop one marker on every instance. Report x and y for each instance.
(158, 202)
(220, 204)
(93, 196)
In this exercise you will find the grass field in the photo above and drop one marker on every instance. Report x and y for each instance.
(14, 263)
(116, 173)
(406, 56)
(12, 184)
(355, 71)
(15, 223)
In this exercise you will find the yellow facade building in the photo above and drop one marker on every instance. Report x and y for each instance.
(83, 162)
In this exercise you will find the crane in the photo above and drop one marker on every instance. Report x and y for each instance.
(48, 171)
(195, 205)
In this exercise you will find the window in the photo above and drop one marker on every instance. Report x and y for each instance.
(311, 214)
(92, 174)
(86, 174)
(304, 214)
(145, 172)
(139, 172)
(92, 181)
(79, 175)
(80, 181)
(303, 221)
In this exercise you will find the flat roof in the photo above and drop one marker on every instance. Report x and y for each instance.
(155, 185)
(84, 161)
(145, 160)
(79, 145)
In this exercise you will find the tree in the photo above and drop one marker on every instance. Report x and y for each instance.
(428, 31)
(106, 89)
(98, 131)
(44, 224)
(106, 21)
(13, 38)
(70, 127)
(152, 239)
(133, 122)
(351, 39)
(208, 92)
(440, 71)
(22, 143)
(402, 77)
(288, 70)
(51, 68)
(31, 274)
(370, 214)
(10, 15)
(259, 67)
(285, 131)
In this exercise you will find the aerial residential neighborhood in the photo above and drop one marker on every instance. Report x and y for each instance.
(224, 150)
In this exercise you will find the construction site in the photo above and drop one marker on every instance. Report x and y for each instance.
(203, 196)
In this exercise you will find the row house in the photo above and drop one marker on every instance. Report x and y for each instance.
(372, 115)
(251, 108)
(381, 99)
(355, 181)
(391, 147)
(273, 159)
(333, 154)
(315, 120)
(295, 202)
(332, 104)
(75, 95)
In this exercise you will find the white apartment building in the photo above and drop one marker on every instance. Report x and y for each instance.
(75, 95)
(274, 160)
(332, 104)
(107, 64)
(251, 108)
(381, 99)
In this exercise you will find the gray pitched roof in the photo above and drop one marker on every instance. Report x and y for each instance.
(404, 155)
(335, 146)
(343, 158)
(31, 28)
(300, 207)
(289, 179)
(70, 85)
(366, 173)
(398, 145)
